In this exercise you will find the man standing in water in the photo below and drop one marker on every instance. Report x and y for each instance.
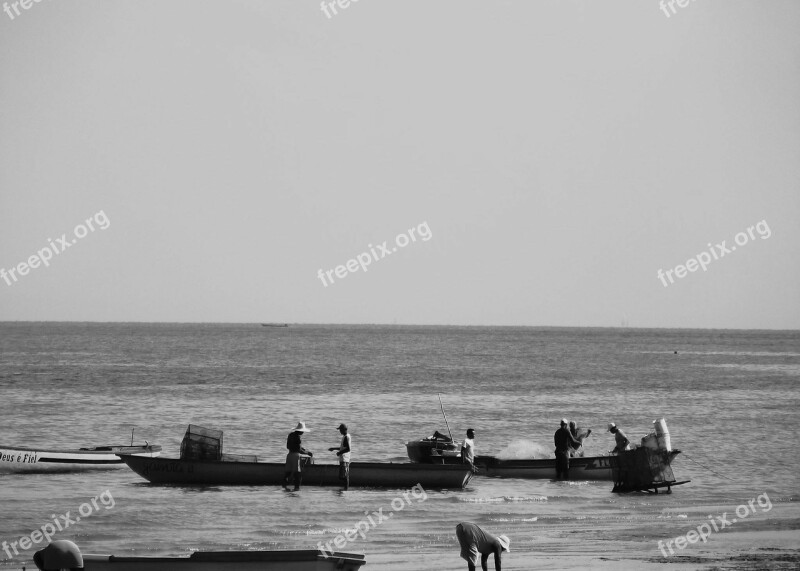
(294, 459)
(564, 442)
(473, 540)
(580, 436)
(468, 449)
(343, 452)
(619, 437)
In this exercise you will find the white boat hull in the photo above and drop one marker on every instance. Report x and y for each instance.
(18, 459)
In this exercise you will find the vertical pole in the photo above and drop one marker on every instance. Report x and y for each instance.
(445, 416)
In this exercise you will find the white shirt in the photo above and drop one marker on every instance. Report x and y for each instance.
(346, 443)
(468, 450)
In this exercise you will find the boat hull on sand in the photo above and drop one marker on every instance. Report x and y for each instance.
(362, 474)
(297, 560)
(31, 459)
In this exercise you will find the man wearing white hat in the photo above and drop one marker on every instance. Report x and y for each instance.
(294, 459)
(473, 540)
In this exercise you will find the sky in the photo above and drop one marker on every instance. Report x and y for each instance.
(551, 157)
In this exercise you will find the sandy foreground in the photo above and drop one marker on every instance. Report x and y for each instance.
(762, 550)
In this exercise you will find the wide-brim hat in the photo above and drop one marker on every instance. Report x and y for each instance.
(301, 427)
(505, 542)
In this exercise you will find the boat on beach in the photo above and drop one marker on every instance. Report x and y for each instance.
(33, 459)
(295, 560)
(255, 473)
(64, 554)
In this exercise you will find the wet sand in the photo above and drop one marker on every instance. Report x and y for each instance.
(730, 552)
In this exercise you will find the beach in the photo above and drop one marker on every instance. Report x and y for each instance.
(723, 395)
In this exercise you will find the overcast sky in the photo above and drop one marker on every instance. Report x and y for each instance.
(560, 153)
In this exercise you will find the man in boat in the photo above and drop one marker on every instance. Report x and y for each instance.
(343, 452)
(564, 442)
(468, 449)
(619, 437)
(580, 436)
(294, 459)
(473, 540)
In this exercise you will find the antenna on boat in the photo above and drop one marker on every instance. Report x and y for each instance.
(444, 415)
(132, 429)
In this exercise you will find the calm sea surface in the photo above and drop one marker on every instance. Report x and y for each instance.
(730, 399)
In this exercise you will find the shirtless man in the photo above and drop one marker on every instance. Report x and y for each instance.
(619, 437)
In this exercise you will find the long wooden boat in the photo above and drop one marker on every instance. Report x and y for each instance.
(31, 459)
(296, 560)
(441, 450)
(362, 474)
(585, 468)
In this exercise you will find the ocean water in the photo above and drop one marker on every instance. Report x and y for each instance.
(730, 399)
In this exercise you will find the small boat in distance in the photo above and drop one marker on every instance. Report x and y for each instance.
(33, 459)
(274, 325)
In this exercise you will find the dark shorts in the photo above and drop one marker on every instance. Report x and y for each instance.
(562, 462)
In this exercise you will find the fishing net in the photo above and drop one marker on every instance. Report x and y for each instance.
(641, 469)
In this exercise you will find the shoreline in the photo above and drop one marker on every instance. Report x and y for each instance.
(764, 550)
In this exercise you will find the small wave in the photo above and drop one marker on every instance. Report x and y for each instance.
(502, 499)
(333, 530)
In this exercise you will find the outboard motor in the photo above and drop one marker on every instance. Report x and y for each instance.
(662, 435)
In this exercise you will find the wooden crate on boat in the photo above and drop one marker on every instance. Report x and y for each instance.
(201, 443)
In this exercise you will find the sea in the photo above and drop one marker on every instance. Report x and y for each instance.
(730, 399)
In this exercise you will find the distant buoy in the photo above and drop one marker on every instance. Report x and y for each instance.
(676, 352)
